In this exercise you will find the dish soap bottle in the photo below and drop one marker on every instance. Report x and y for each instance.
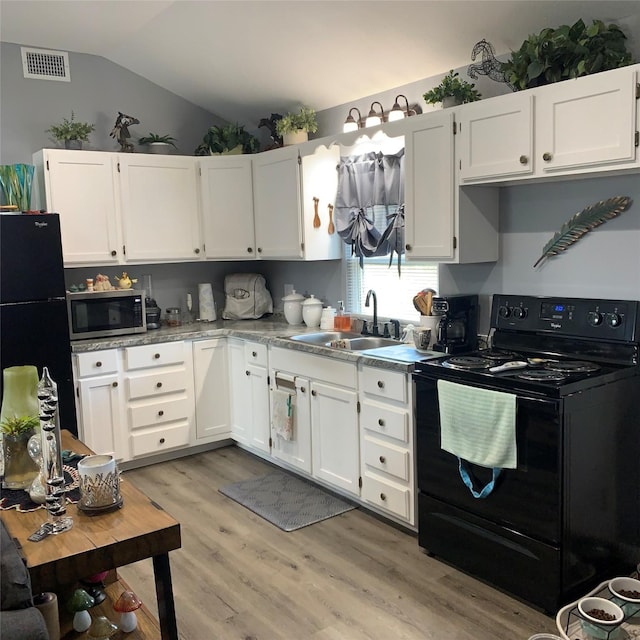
(342, 320)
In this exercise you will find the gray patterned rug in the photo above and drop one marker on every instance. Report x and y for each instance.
(285, 500)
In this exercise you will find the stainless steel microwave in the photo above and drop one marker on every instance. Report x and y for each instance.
(101, 314)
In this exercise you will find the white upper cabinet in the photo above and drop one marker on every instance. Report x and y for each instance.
(226, 196)
(79, 185)
(159, 207)
(586, 125)
(496, 137)
(587, 122)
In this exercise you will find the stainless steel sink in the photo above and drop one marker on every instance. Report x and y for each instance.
(344, 340)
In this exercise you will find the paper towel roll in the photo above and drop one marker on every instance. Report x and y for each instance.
(47, 603)
(206, 303)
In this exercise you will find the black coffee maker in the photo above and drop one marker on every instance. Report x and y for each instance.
(457, 331)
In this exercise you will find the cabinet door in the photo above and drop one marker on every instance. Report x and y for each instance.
(258, 398)
(587, 122)
(297, 451)
(429, 214)
(496, 138)
(276, 197)
(211, 379)
(159, 207)
(334, 436)
(79, 185)
(226, 192)
(241, 413)
(101, 409)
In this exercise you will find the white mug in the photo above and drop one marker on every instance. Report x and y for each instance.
(99, 481)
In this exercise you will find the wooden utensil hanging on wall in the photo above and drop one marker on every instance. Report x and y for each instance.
(316, 217)
(331, 228)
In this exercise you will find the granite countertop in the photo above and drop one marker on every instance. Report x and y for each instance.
(273, 331)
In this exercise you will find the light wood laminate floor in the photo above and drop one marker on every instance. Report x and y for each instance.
(350, 577)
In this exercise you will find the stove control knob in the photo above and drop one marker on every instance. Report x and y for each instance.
(504, 312)
(594, 318)
(520, 313)
(614, 319)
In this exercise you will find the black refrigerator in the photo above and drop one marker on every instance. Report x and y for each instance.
(34, 329)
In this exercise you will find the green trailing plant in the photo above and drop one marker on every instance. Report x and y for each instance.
(566, 52)
(452, 86)
(303, 120)
(70, 129)
(219, 139)
(17, 425)
(154, 137)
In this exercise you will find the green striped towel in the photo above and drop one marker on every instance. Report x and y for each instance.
(478, 425)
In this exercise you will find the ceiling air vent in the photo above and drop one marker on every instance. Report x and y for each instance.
(45, 65)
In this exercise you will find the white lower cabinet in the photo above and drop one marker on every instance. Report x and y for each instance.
(100, 403)
(211, 386)
(250, 424)
(159, 397)
(386, 442)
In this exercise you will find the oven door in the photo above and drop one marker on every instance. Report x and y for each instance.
(526, 499)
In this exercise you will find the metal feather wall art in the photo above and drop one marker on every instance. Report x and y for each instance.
(581, 223)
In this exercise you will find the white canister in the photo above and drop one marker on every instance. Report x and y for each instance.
(328, 318)
(312, 311)
(293, 307)
(99, 482)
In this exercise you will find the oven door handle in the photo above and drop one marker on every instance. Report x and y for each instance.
(466, 478)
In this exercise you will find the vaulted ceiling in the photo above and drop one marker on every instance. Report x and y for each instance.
(242, 59)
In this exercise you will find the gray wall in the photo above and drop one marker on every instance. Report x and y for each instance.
(97, 91)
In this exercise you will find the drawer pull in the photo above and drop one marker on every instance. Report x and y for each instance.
(380, 384)
(249, 249)
(158, 385)
(156, 356)
(381, 422)
(161, 440)
(547, 156)
(383, 496)
(303, 389)
(196, 250)
(408, 247)
(382, 459)
(254, 354)
(247, 373)
(114, 253)
(314, 393)
(524, 159)
(98, 364)
(259, 249)
(161, 413)
(114, 384)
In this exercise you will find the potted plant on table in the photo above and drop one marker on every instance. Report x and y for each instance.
(19, 468)
(157, 144)
(296, 127)
(73, 133)
(566, 52)
(228, 139)
(452, 91)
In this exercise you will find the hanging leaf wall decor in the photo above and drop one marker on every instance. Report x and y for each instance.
(587, 219)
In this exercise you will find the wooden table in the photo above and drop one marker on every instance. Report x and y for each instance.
(140, 529)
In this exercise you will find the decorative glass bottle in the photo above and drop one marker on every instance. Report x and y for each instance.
(52, 454)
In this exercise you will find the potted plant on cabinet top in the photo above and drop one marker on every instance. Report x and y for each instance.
(229, 139)
(157, 143)
(295, 127)
(72, 132)
(566, 52)
(452, 91)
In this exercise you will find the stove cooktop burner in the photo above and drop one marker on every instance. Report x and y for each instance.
(542, 375)
(571, 366)
(469, 363)
(496, 355)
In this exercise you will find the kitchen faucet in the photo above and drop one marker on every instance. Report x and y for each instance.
(370, 293)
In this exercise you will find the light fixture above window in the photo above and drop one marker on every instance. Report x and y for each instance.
(397, 112)
(350, 124)
(374, 118)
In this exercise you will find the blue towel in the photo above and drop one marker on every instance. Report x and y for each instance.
(478, 425)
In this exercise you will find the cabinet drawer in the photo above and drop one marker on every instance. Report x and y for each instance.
(156, 383)
(158, 440)
(389, 385)
(154, 355)
(385, 420)
(387, 495)
(97, 363)
(159, 411)
(255, 353)
(387, 458)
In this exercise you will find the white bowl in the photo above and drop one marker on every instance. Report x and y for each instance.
(630, 606)
(596, 628)
(545, 636)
